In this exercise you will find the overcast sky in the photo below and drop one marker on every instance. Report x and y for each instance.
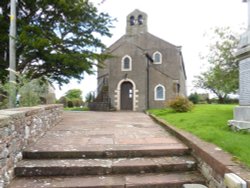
(179, 22)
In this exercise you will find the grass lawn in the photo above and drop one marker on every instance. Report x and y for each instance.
(209, 122)
(77, 109)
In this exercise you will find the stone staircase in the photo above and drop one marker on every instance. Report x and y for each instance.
(153, 166)
(106, 150)
(102, 101)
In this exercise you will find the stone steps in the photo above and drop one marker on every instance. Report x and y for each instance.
(161, 166)
(129, 151)
(117, 151)
(76, 167)
(150, 180)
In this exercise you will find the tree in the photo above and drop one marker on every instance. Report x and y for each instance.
(221, 78)
(73, 94)
(4, 39)
(59, 39)
(194, 98)
(90, 97)
(30, 92)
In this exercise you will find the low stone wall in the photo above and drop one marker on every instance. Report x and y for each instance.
(20, 127)
(100, 106)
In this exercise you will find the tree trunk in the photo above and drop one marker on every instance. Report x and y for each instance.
(221, 100)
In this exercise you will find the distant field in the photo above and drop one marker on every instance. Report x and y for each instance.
(209, 122)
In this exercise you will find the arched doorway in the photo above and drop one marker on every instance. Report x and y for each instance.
(126, 96)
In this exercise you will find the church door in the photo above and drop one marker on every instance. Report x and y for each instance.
(126, 96)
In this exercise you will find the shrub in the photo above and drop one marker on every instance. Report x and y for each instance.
(77, 102)
(194, 98)
(70, 104)
(63, 100)
(180, 104)
(232, 101)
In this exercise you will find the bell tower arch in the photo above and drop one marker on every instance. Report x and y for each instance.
(137, 23)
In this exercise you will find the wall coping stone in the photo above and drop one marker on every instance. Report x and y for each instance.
(27, 111)
(13, 114)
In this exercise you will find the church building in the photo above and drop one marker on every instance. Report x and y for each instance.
(144, 71)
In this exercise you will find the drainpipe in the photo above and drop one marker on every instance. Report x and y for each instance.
(149, 60)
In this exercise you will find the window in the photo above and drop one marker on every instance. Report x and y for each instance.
(159, 93)
(140, 20)
(132, 20)
(126, 63)
(157, 58)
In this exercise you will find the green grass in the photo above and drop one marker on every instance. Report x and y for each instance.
(209, 122)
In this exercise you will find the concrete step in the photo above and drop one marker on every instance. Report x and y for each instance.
(75, 167)
(153, 180)
(117, 151)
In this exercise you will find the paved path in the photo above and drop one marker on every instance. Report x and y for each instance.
(106, 149)
(105, 130)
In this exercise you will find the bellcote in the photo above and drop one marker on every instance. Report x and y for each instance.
(136, 22)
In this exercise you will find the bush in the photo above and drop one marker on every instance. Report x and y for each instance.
(194, 98)
(77, 102)
(180, 104)
(70, 104)
(231, 101)
(63, 100)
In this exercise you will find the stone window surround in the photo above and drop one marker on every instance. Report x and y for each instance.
(130, 63)
(118, 94)
(155, 93)
(159, 62)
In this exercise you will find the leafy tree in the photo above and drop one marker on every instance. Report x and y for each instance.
(194, 98)
(4, 38)
(63, 100)
(90, 97)
(221, 78)
(59, 39)
(73, 94)
(30, 92)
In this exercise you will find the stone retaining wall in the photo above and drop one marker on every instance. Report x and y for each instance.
(20, 127)
(213, 162)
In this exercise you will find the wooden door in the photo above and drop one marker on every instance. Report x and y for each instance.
(126, 96)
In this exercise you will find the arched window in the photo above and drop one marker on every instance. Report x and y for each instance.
(126, 63)
(132, 20)
(140, 20)
(157, 58)
(159, 93)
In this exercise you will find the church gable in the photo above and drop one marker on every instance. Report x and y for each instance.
(145, 71)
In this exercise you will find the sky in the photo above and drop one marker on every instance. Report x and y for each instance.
(180, 22)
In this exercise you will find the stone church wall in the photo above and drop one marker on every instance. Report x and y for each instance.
(20, 127)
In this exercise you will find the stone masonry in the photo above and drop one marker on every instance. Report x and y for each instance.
(20, 127)
(213, 162)
(137, 83)
(107, 149)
